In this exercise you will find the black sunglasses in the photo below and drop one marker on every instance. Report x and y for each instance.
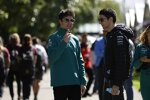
(101, 19)
(69, 20)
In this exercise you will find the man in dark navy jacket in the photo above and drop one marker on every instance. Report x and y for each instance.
(117, 54)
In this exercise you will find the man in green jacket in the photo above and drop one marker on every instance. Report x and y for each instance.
(66, 63)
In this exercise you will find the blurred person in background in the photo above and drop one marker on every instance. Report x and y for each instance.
(41, 64)
(66, 63)
(4, 65)
(99, 64)
(128, 83)
(93, 57)
(86, 53)
(14, 72)
(38, 44)
(142, 60)
(28, 57)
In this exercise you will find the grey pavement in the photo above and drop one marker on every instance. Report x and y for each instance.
(46, 91)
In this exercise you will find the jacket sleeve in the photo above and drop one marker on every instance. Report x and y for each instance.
(120, 58)
(55, 49)
(82, 75)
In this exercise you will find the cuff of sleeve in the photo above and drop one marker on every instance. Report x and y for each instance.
(84, 82)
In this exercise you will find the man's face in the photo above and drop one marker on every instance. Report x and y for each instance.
(67, 22)
(104, 22)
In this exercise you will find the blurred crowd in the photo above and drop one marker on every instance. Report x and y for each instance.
(23, 61)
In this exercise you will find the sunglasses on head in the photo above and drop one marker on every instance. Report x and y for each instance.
(68, 20)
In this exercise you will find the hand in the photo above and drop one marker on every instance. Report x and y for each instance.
(143, 58)
(67, 37)
(83, 88)
(115, 90)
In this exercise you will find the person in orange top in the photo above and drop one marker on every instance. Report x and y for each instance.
(86, 52)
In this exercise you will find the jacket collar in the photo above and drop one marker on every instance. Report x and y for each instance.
(62, 31)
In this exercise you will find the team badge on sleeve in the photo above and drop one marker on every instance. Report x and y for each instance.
(119, 40)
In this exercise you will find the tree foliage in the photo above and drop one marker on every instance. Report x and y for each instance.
(114, 5)
(40, 17)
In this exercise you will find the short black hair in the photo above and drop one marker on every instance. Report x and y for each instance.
(66, 12)
(108, 12)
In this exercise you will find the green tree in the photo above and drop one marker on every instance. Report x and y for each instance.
(39, 17)
(111, 4)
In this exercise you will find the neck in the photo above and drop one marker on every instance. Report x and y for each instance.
(111, 26)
